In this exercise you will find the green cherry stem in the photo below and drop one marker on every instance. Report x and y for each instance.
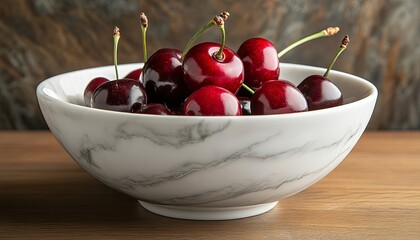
(248, 88)
(324, 33)
(116, 39)
(196, 35)
(144, 23)
(343, 46)
(224, 15)
(221, 23)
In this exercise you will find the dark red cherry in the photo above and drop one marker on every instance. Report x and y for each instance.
(277, 97)
(91, 87)
(162, 78)
(119, 95)
(151, 108)
(135, 74)
(320, 92)
(202, 68)
(245, 105)
(260, 60)
(212, 101)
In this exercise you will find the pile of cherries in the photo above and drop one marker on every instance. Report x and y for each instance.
(209, 79)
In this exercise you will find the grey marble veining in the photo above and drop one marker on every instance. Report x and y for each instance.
(191, 134)
(239, 189)
(207, 162)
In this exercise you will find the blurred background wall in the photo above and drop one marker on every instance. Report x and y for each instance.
(42, 38)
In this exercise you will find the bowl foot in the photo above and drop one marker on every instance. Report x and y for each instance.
(207, 213)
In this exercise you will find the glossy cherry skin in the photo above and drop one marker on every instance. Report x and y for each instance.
(135, 74)
(277, 97)
(119, 95)
(320, 92)
(260, 60)
(245, 105)
(202, 68)
(151, 108)
(91, 87)
(212, 101)
(163, 78)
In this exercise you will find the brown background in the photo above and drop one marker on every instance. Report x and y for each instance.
(42, 38)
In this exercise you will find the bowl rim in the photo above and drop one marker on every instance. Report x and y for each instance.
(371, 96)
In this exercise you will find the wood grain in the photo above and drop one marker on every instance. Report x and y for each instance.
(373, 194)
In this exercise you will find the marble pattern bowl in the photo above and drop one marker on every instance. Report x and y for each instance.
(206, 168)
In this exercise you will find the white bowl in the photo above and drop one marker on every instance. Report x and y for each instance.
(206, 167)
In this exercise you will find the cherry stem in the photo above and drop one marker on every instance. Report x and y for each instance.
(195, 36)
(116, 39)
(248, 88)
(343, 46)
(324, 33)
(219, 54)
(224, 15)
(144, 23)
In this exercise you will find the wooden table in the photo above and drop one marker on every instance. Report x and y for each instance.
(374, 193)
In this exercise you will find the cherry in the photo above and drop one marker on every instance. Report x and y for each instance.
(277, 97)
(261, 60)
(135, 74)
(120, 94)
(152, 108)
(202, 67)
(212, 101)
(163, 78)
(319, 91)
(163, 73)
(91, 87)
(213, 64)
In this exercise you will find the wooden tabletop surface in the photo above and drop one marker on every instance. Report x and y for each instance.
(373, 194)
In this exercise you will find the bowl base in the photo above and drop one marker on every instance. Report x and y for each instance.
(207, 213)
